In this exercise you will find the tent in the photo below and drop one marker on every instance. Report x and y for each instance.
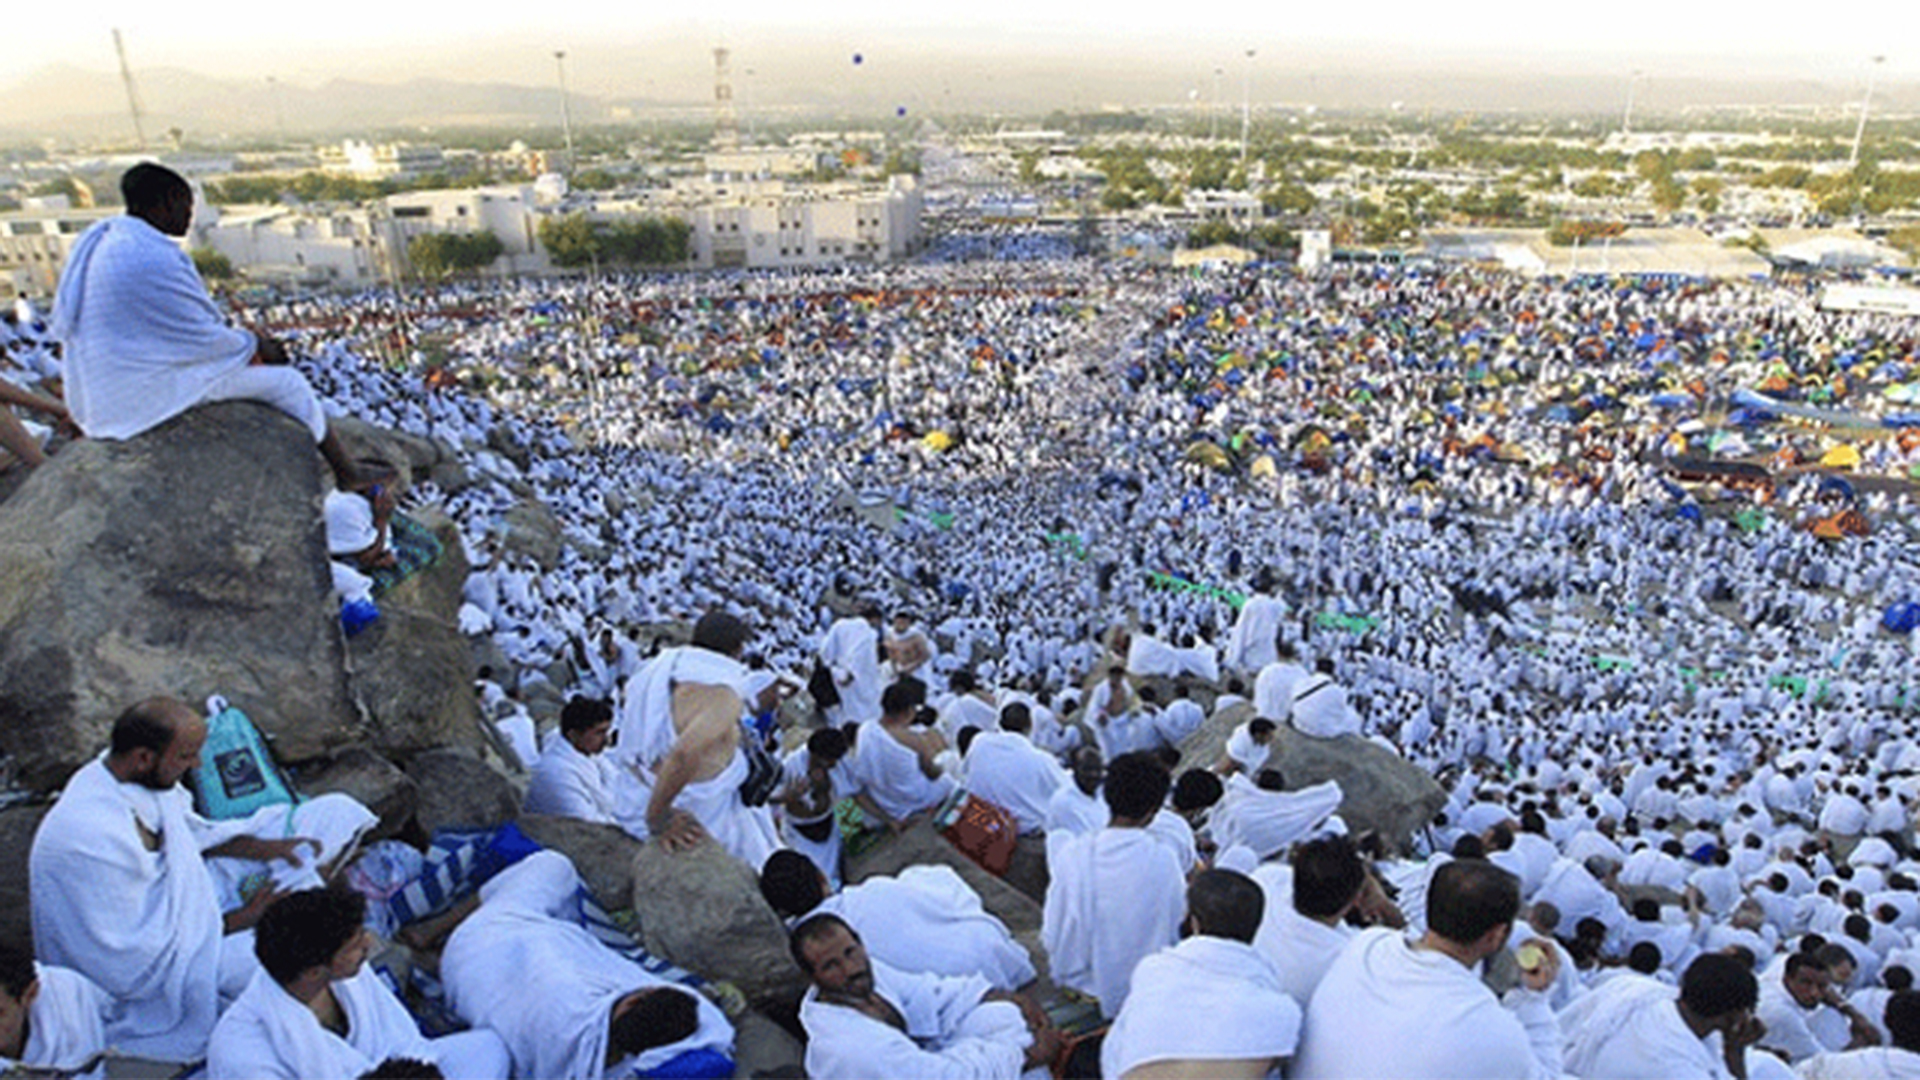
(1201, 452)
(1836, 486)
(1843, 456)
(1902, 618)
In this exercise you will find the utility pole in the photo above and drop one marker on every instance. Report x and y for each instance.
(1246, 107)
(566, 110)
(133, 95)
(1853, 156)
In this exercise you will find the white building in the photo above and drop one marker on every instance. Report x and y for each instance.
(34, 244)
(770, 225)
(285, 246)
(382, 161)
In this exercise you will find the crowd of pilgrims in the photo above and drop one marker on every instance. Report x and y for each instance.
(1684, 737)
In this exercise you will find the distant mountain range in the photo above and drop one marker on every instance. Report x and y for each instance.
(77, 105)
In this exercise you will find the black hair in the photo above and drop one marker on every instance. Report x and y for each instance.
(1902, 1020)
(148, 186)
(1327, 875)
(16, 971)
(1197, 789)
(1468, 897)
(1716, 984)
(664, 1015)
(1226, 904)
(1136, 786)
(828, 745)
(304, 929)
(722, 633)
(1016, 717)
(583, 713)
(790, 883)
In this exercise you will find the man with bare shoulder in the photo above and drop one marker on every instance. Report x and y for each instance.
(696, 787)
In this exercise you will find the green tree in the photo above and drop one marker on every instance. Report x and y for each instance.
(446, 254)
(1288, 199)
(212, 265)
(570, 241)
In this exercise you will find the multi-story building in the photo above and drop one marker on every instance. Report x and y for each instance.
(776, 225)
(382, 161)
(34, 243)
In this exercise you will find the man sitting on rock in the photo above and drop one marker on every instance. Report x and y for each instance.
(317, 1011)
(865, 1019)
(927, 919)
(142, 340)
(571, 779)
(50, 1017)
(124, 893)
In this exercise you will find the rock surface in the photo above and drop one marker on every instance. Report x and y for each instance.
(533, 531)
(460, 791)
(17, 827)
(603, 854)
(372, 780)
(413, 670)
(701, 909)
(188, 561)
(1382, 792)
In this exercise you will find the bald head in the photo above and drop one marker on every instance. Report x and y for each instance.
(155, 742)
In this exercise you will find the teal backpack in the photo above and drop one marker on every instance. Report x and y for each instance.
(237, 774)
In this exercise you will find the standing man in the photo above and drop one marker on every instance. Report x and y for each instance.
(122, 892)
(142, 340)
(851, 652)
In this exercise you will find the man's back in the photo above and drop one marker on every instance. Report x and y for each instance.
(1386, 1008)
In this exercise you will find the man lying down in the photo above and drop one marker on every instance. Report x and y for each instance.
(567, 1005)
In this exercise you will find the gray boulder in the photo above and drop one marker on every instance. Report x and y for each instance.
(922, 845)
(1383, 792)
(602, 854)
(458, 790)
(701, 909)
(17, 826)
(533, 531)
(413, 670)
(188, 561)
(372, 780)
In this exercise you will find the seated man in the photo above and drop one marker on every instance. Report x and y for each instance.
(893, 761)
(1320, 705)
(570, 779)
(1901, 1059)
(123, 891)
(1211, 1006)
(1007, 770)
(1248, 747)
(50, 1018)
(1639, 1029)
(1390, 1006)
(926, 920)
(144, 342)
(17, 444)
(817, 778)
(316, 1011)
(865, 1019)
(567, 1005)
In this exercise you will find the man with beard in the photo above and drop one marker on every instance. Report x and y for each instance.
(123, 893)
(865, 1019)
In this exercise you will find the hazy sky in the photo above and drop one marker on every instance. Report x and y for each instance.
(307, 42)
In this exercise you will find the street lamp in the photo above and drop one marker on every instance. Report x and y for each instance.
(566, 110)
(1626, 120)
(1213, 112)
(1246, 107)
(1860, 129)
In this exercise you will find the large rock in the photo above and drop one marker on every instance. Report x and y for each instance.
(1382, 792)
(701, 909)
(17, 826)
(372, 780)
(763, 1050)
(413, 670)
(602, 854)
(188, 561)
(458, 790)
(533, 531)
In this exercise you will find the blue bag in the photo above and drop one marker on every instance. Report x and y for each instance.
(237, 774)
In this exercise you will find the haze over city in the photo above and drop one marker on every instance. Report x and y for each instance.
(218, 67)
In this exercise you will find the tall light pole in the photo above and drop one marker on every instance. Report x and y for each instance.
(1626, 119)
(566, 110)
(1213, 111)
(1860, 129)
(273, 96)
(1246, 107)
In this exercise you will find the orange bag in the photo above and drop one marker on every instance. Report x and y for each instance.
(982, 831)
